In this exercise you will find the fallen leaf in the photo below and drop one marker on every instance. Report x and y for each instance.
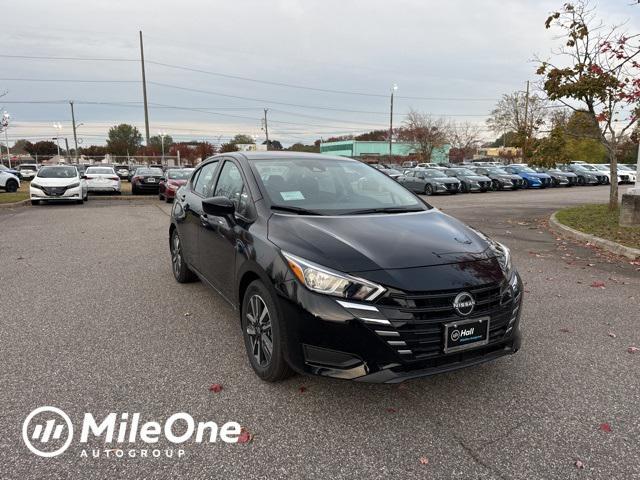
(391, 410)
(605, 427)
(579, 465)
(245, 436)
(187, 314)
(302, 389)
(632, 349)
(598, 284)
(424, 461)
(565, 330)
(591, 264)
(612, 335)
(215, 388)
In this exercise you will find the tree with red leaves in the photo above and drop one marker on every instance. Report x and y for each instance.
(600, 74)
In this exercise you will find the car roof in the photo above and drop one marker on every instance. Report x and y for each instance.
(281, 155)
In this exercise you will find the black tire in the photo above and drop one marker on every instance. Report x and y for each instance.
(270, 367)
(581, 181)
(86, 197)
(35, 202)
(495, 185)
(160, 197)
(80, 202)
(464, 188)
(168, 200)
(11, 186)
(428, 189)
(134, 190)
(181, 270)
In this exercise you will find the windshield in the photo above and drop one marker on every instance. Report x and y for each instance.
(99, 170)
(497, 171)
(57, 172)
(462, 171)
(434, 173)
(524, 169)
(179, 174)
(27, 167)
(331, 186)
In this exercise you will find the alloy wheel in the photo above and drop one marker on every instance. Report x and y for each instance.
(176, 254)
(259, 330)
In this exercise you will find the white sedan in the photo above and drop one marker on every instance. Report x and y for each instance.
(102, 179)
(58, 183)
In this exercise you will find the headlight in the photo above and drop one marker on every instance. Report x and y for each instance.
(329, 282)
(74, 185)
(35, 185)
(504, 257)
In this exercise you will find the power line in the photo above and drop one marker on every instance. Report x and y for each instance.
(255, 80)
(81, 59)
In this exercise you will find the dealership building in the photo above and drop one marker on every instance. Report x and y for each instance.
(369, 150)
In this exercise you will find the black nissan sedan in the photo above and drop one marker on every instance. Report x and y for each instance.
(337, 270)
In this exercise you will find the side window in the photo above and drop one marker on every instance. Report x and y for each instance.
(230, 185)
(203, 184)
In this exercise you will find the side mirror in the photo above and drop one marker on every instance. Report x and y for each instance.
(218, 206)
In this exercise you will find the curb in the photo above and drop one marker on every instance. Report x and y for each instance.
(613, 247)
(15, 204)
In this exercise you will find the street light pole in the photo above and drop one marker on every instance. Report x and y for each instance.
(636, 188)
(393, 90)
(75, 136)
(4, 125)
(58, 127)
(162, 135)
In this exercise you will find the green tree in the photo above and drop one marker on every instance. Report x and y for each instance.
(124, 139)
(43, 148)
(596, 68)
(228, 147)
(300, 147)
(242, 139)
(156, 142)
(94, 151)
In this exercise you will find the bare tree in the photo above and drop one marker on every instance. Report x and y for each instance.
(425, 132)
(513, 114)
(465, 137)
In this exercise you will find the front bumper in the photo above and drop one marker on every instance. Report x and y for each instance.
(58, 195)
(372, 342)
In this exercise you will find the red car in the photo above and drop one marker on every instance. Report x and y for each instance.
(172, 181)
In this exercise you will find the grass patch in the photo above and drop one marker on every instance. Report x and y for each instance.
(598, 220)
(21, 194)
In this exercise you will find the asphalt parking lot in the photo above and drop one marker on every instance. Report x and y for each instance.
(92, 320)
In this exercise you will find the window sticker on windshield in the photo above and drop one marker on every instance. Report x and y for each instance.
(288, 196)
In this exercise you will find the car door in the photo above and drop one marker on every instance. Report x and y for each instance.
(221, 237)
(188, 210)
(420, 182)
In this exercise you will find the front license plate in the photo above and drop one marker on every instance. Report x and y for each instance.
(151, 180)
(464, 334)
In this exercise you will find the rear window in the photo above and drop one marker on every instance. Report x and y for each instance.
(27, 167)
(149, 171)
(179, 174)
(99, 170)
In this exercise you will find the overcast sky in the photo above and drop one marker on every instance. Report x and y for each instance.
(458, 55)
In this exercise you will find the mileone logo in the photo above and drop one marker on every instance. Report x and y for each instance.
(48, 432)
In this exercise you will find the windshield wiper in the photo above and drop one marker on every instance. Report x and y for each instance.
(292, 209)
(383, 210)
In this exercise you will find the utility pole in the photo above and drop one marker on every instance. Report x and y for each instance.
(266, 127)
(4, 125)
(144, 92)
(75, 136)
(526, 126)
(66, 142)
(393, 90)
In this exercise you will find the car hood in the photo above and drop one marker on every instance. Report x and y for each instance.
(372, 242)
(55, 182)
(178, 183)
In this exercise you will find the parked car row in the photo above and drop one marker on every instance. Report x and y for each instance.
(430, 178)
